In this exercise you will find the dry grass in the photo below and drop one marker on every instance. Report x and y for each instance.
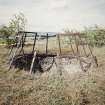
(21, 88)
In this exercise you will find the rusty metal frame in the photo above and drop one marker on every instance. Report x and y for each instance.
(21, 44)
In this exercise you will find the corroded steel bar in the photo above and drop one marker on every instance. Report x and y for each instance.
(16, 50)
(59, 44)
(83, 46)
(78, 54)
(71, 46)
(47, 44)
(72, 34)
(34, 42)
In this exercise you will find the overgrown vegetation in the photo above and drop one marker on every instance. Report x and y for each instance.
(5, 33)
(21, 88)
(96, 35)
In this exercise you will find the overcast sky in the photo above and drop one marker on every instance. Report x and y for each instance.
(55, 15)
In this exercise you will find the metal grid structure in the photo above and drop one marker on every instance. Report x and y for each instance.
(78, 39)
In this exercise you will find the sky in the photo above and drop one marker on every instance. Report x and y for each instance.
(55, 15)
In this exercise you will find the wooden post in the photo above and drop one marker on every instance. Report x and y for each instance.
(47, 44)
(33, 60)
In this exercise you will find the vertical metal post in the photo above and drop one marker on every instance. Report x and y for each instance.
(47, 43)
(76, 43)
(94, 57)
(59, 55)
(34, 42)
(78, 54)
(71, 46)
(23, 41)
(83, 46)
(59, 44)
(18, 45)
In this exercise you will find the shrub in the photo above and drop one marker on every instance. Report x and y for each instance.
(96, 35)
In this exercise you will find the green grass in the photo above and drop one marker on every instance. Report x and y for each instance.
(2, 41)
(21, 88)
